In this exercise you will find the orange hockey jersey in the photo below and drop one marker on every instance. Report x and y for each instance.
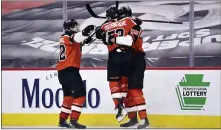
(120, 28)
(70, 53)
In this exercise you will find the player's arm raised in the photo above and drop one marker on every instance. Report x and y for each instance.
(73, 35)
(82, 36)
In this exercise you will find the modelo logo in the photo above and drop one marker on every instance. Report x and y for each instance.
(53, 98)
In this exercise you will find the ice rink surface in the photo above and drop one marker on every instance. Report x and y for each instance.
(57, 128)
(94, 128)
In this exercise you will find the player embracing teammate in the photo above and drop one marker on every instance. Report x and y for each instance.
(68, 72)
(125, 67)
(126, 64)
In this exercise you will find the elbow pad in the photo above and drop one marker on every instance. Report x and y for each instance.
(78, 37)
(124, 40)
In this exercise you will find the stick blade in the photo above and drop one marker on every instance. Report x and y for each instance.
(92, 12)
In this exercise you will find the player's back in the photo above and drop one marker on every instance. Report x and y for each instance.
(70, 53)
(120, 28)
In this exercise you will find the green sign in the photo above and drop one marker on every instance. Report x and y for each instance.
(192, 92)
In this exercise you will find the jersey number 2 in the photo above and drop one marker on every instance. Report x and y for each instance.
(62, 55)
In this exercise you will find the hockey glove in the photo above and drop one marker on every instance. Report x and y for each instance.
(100, 34)
(87, 30)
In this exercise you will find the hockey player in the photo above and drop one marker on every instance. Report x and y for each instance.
(114, 66)
(68, 72)
(135, 102)
(116, 35)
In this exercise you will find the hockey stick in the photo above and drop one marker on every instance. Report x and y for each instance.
(93, 39)
(117, 5)
(88, 6)
(92, 34)
(92, 12)
(158, 21)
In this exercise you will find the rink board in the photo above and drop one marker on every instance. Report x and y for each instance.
(38, 98)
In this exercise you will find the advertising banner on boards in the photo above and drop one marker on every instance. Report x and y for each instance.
(30, 35)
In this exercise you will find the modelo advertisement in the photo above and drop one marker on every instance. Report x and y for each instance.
(174, 92)
(40, 91)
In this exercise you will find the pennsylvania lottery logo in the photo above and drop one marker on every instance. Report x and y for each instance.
(192, 92)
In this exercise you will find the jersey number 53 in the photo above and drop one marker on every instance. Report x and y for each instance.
(110, 34)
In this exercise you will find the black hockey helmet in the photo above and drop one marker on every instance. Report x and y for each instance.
(125, 11)
(71, 25)
(112, 13)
